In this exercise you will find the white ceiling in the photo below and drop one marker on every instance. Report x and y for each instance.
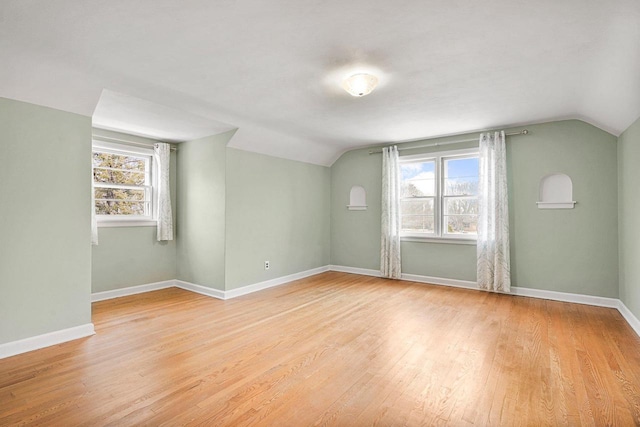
(121, 112)
(273, 68)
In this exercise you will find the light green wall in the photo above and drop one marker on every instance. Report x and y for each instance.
(45, 258)
(572, 250)
(439, 260)
(628, 213)
(561, 250)
(277, 210)
(130, 256)
(355, 235)
(200, 228)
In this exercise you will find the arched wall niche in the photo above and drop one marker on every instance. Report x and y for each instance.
(556, 192)
(357, 199)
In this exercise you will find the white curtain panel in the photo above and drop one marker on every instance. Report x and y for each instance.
(390, 245)
(493, 215)
(162, 153)
(94, 222)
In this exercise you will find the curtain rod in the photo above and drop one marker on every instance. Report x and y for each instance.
(435, 144)
(125, 141)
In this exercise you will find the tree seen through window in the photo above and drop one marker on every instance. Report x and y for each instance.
(121, 184)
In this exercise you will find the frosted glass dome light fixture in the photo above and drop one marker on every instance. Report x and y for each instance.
(360, 84)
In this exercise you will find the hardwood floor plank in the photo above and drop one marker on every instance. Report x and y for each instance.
(334, 349)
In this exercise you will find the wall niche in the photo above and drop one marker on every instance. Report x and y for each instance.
(357, 199)
(556, 192)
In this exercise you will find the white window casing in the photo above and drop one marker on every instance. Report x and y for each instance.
(440, 199)
(149, 217)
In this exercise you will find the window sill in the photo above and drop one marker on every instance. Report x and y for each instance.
(108, 224)
(445, 240)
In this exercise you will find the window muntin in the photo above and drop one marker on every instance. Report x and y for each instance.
(122, 181)
(439, 195)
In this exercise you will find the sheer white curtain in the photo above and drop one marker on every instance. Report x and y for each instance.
(162, 154)
(493, 218)
(390, 244)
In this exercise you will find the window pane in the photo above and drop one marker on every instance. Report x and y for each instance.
(461, 224)
(417, 215)
(118, 161)
(419, 223)
(418, 179)
(417, 207)
(120, 208)
(460, 205)
(109, 176)
(119, 194)
(126, 169)
(461, 177)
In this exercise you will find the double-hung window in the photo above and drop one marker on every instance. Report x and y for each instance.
(123, 184)
(439, 195)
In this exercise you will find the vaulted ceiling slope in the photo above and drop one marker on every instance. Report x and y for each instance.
(273, 68)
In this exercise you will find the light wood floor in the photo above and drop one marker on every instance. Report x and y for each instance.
(334, 349)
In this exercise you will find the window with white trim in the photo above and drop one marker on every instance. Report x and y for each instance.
(123, 184)
(439, 195)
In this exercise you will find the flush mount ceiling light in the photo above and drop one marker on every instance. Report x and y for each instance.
(360, 84)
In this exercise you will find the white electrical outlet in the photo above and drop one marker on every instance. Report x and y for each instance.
(266, 265)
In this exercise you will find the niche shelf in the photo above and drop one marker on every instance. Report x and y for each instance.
(357, 199)
(556, 192)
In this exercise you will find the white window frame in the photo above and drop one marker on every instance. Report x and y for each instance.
(438, 236)
(130, 220)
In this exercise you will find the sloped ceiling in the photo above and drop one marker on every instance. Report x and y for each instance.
(273, 68)
(121, 112)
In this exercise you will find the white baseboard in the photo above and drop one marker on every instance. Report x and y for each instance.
(566, 297)
(516, 290)
(199, 289)
(204, 290)
(244, 290)
(233, 293)
(45, 340)
(467, 284)
(355, 270)
(408, 277)
(440, 281)
(629, 317)
(131, 290)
